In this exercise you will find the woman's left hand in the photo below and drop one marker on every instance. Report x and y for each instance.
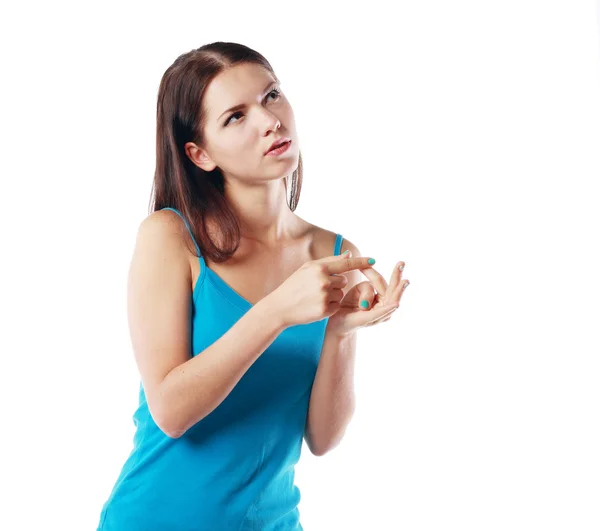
(383, 300)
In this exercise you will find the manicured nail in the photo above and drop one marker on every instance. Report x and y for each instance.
(371, 261)
(401, 267)
(364, 304)
(345, 252)
(406, 285)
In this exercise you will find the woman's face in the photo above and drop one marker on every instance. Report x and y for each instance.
(236, 140)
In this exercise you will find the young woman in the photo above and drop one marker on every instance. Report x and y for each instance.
(242, 315)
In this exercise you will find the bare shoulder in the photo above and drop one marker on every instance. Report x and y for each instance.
(163, 239)
(324, 243)
(166, 229)
(163, 223)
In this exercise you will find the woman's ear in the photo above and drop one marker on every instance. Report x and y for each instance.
(199, 157)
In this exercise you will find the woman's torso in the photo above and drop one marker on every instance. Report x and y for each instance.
(235, 468)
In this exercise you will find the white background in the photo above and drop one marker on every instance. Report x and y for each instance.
(461, 137)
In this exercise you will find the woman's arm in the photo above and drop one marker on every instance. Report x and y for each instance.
(181, 390)
(332, 399)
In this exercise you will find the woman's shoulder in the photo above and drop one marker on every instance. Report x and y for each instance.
(167, 224)
(166, 221)
(323, 242)
(165, 229)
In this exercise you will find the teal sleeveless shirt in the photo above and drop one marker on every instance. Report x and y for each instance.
(233, 470)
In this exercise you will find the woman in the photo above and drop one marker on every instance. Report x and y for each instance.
(242, 315)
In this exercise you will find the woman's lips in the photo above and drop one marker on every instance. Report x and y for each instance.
(278, 151)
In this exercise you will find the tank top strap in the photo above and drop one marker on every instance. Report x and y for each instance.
(338, 244)
(188, 228)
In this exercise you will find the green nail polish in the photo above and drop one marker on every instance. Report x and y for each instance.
(371, 261)
(364, 304)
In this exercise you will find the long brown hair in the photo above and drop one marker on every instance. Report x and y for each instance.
(178, 182)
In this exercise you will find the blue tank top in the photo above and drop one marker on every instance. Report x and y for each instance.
(233, 470)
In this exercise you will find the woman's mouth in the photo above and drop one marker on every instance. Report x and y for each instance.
(279, 150)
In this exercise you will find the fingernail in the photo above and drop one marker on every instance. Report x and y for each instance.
(364, 304)
(406, 285)
(371, 261)
(345, 252)
(401, 267)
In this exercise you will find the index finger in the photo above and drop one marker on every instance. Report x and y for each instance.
(377, 279)
(348, 264)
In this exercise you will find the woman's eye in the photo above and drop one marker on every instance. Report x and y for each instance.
(234, 114)
(274, 91)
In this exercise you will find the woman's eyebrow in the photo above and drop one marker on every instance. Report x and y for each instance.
(242, 105)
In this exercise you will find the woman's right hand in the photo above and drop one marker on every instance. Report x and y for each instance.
(314, 291)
